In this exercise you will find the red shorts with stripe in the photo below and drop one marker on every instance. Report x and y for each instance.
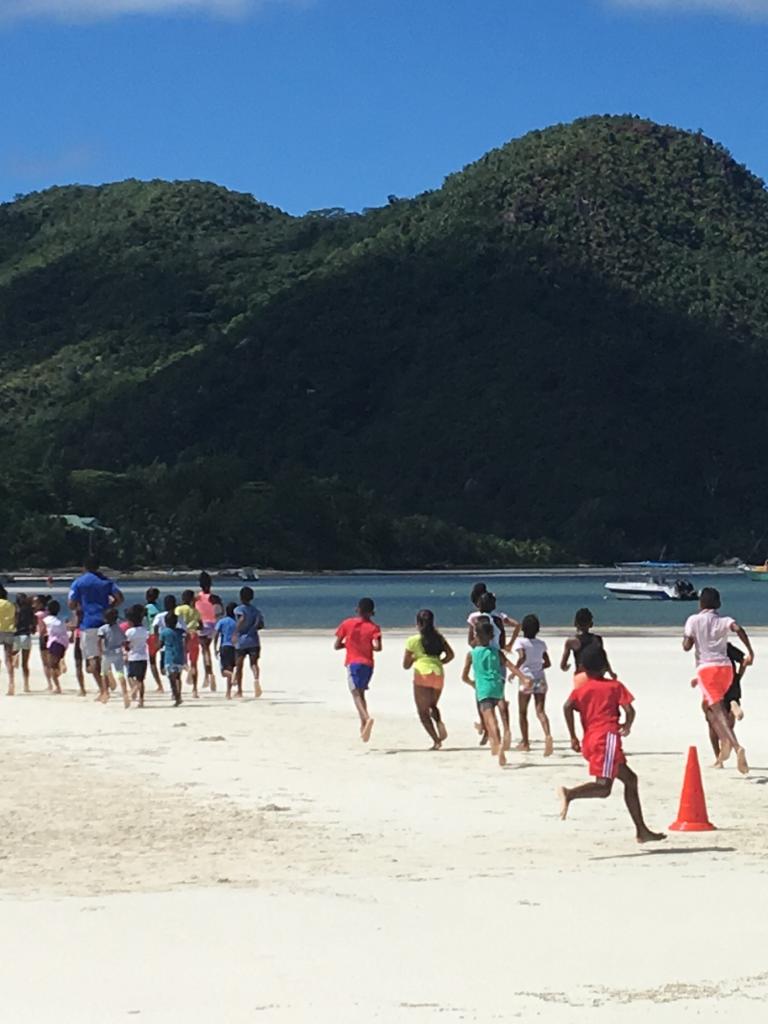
(714, 682)
(604, 753)
(153, 644)
(193, 647)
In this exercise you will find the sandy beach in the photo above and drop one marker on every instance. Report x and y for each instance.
(255, 861)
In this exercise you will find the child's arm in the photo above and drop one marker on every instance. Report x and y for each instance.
(521, 657)
(376, 644)
(465, 676)
(513, 669)
(611, 673)
(515, 631)
(629, 716)
(471, 635)
(749, 657)
(568, 710)
(545, 662)
(407, 659)
(447, 654)
(565, 660)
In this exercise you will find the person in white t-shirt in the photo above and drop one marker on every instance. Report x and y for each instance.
(137, 650)
(533, 660)
(57, 642)
(707, 633)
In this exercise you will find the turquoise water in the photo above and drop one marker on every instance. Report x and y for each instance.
(320, 602)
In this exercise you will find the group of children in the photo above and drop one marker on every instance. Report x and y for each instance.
(603, 702)
(165, 639)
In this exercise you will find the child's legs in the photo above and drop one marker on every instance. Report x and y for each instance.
(254, 658)
(424, 698)
(540, 700)
(718, 720)
(25, 667)
(632, 799)
(358, 696)
(523, 700)
(155, 671)
(491, 726)
(10, 664)
(504, 715)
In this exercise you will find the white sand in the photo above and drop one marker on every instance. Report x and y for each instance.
(147, 873)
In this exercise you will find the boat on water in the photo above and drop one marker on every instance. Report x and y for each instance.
(653, 581)
(758, 573)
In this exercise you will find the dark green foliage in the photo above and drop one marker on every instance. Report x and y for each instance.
(568, 340)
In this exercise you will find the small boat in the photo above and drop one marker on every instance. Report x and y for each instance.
(654, 583)
(759, 573)
(247, 573)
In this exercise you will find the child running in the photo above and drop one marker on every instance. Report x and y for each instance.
(707, 632)
(583, 621)
(487, 664)
(7, 636)
(731, 701)
(248, 622)
(152, 597)
(533, 660)
(599, 702)
(206, 609)
(427, 653)
(25, 630)
(136, 646)
(189, 616)
(111, 640)
(57, 639)
(224, 646)
(359, 637)
(485, 602)
(172, 644)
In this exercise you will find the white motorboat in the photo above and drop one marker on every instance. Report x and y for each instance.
(654, 584)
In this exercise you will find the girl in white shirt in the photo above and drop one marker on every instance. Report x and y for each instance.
(533, 660)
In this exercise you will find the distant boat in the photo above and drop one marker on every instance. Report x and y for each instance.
(654, 583)
(247, 573)
(758, 573)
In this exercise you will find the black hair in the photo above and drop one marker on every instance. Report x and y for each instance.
(152, 595)
(215, 599)
(366, 606)
(486, 603)
(432, 641)
(246, 594)
(135, 614)
(3, 592)
(231, 609)
(205, 581)
(22, 600)
(91, 563)
(484, 630)
(111, 615)
(583, 619)
(54, 607)
(709, 597)
(187, 596)
(171, 620)
(169, 603)
(530, 626)
(593, 660)
(476, 591)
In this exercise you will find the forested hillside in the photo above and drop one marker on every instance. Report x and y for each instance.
(561, 353)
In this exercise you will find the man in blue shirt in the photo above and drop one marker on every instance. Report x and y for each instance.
(91, 594)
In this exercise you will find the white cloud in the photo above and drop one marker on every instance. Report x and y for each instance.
(738, 8)
(91, 10)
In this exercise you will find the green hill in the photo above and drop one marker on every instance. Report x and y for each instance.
(566, 341)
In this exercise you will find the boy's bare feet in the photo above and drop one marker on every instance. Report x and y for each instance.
(741, 760)
(549, 746)
(479, 728)
(365, 732)
(442, 732)
(736, 711)
(650, 837)
(523, 748)
(562, 793)
(257, 692)
(718, 763)
(502, 757)
(436, 746)
(483, 739)
(495, 748)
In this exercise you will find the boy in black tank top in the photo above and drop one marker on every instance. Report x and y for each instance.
(583, 621)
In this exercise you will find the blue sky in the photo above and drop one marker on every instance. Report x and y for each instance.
(317, 103)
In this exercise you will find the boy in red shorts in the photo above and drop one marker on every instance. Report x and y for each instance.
(599, 701)
(359, 637)
(708, 632)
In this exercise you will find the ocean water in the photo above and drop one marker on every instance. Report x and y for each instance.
(320, 602)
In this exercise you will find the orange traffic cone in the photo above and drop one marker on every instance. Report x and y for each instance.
(692, 816)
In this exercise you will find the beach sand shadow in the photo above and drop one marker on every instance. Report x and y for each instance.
(667, 851)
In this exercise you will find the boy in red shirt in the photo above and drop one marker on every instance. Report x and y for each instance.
(359, 637)
(598, 701)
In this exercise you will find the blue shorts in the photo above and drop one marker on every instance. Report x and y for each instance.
(359, 676)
